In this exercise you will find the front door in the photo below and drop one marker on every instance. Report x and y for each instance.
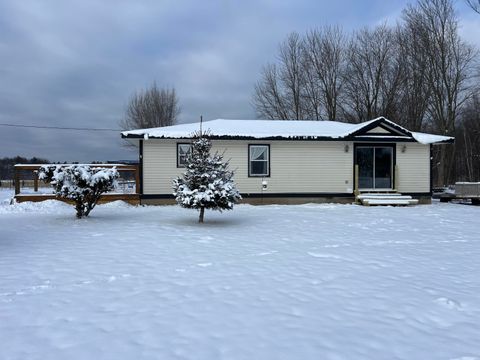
(375, 166)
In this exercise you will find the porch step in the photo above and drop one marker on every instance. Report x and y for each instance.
(405, 202)
(385, 199)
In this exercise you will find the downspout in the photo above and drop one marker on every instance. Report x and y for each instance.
(140, 167)
(431, 171)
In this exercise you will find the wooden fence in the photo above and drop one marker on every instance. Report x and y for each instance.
(31, 171)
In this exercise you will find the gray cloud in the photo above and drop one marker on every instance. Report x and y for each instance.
(68, 63)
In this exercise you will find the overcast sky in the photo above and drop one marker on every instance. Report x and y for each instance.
(75, 63)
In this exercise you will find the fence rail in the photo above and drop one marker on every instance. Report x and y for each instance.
(129, 183)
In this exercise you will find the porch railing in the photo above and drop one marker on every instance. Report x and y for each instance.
(27, 175)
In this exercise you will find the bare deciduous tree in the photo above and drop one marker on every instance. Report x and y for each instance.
(414, 90)
(291, 74)
(324, 65)
(474, 4)
(307, 80)
(280, 92)
(373, 75)
(449, 73)
(467, 146)
(152, 107)
(268, 97)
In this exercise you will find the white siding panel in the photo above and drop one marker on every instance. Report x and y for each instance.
(413, 168)
(295, 167)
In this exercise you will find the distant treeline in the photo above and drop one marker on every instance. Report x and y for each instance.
(6, 165)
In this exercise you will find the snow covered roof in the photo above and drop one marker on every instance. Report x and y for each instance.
(289, 129)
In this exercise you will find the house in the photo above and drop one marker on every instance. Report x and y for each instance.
(295, 161)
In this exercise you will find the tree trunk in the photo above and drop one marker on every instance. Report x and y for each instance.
(90, 203)
(79, 209)
(202, 212)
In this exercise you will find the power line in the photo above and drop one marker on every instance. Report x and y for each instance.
(58, 127)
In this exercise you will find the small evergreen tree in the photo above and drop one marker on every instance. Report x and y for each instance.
(81, 184)
(207, 182)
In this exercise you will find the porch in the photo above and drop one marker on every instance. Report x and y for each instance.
(29, 188)
(381, 196)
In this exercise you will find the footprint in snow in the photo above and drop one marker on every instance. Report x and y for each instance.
(265, 253)
(449, 303)
(205, 239)
(204, 264)
(296, 312)
(325, 256)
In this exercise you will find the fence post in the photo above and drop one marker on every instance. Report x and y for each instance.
(16, 179)
(35, 180)
(137, 179)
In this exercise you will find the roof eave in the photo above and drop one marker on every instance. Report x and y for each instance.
(131, 136)
(447, 141)
(293, 138)
(236, 137)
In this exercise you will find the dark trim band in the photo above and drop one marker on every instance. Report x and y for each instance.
(264, 195)
(285, 195)
(279, 138)
(296, 195)
(157, 196)
(413, 194)
(431, 170)
(140, 165)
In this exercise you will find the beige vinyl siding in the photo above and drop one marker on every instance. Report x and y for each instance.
(413, 168)
(378, 130)
(295, 166)
(159, 166)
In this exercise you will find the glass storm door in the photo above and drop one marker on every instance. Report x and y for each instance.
(374, 167)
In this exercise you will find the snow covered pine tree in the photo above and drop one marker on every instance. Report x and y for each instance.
(80, 183)
(207, 183)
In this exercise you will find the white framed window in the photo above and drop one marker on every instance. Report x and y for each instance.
(182, 151)
(258, 160)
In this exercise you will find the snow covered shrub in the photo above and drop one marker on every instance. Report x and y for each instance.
(207, 182)
(80, 183)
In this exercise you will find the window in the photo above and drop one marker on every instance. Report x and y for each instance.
(182, 152)
(259, 160)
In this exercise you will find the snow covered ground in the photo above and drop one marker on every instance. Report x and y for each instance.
(270, 282)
